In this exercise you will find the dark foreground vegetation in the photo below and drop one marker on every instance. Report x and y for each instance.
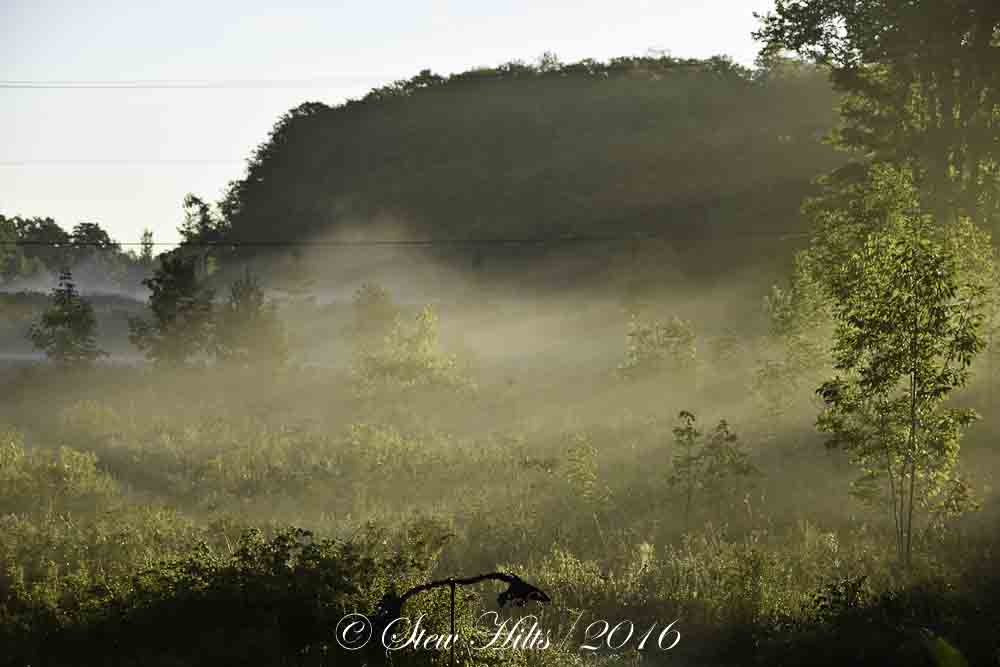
(808, 481)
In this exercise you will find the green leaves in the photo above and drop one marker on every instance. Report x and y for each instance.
(247, 329)
(182, 313)
(908, 325)
(656, 346)
(921, 87)
(408, 357)
(707, 466)
(65, 331)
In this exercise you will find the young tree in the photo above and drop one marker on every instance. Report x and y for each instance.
(146, 248)
(408, 356)
(9, 252)
(248, 331)
(182, 313)
(709, 467)
(658, 346)
(908, 325)
(686, 465)
(65, 331)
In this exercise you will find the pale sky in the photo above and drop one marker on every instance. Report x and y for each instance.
(126, 157)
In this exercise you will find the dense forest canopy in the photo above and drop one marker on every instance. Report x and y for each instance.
(651, 146)
(921, 80)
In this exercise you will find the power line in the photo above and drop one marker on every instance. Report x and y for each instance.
(30, 163)
(308, 82)
(337, 80)
(420, 242)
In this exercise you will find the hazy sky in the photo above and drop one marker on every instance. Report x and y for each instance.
(126, 157)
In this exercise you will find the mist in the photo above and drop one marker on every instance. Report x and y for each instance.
(435, 338)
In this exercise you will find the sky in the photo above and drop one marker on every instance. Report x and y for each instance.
(76, 146)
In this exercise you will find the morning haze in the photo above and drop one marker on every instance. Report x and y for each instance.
(671, 325)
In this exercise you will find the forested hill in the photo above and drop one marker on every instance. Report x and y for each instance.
(657, 146)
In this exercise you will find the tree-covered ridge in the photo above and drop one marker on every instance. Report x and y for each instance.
(635, 145)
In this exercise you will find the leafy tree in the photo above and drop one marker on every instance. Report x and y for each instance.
(854, 205)
(922, 86)
(65, 331)
(146, 248)
(706, 467)
(10, 254)
(658, 346)
(182, 313)
(44, 242)
(201, 224)
(91, 235)
(799, 318)
(96, 255)
(582, 473)
(248, 331)
(686, 463)
(203, 233)
(549, 62)
(407, 357)
(908, 325)
(774, 386)
(795, 315)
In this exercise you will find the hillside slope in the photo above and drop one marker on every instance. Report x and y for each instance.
(680, 149)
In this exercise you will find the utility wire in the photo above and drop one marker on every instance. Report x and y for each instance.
(177, 84)
(418, 242)
(309, 82)
(29, 163)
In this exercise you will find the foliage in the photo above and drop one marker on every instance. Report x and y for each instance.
(271, 598)
(655, 346)
(581, 472)
(146, 248)
(524, 125)
(33, 248)
(66, 479)
(796, 315)
(922, 87)
(201, 224)
(89, 236)
(247, 330)
(10, 254)
(66, 330)
(408, 357)
(707, 468)
(44, 244)
(182, 313)
(907, 329)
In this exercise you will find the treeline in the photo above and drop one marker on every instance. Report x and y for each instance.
(655, 146)
(37, 248)
(184, 323)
